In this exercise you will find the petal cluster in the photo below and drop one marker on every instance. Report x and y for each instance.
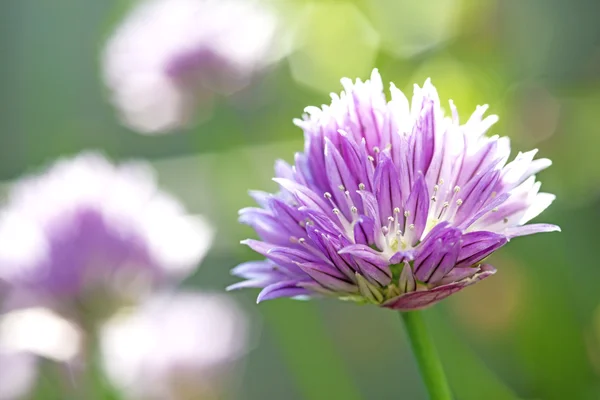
(391, 202)
(86, 223)
(169, 57)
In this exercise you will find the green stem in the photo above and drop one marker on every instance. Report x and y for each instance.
(427, 357)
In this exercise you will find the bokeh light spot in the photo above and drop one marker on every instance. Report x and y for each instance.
(333, 40)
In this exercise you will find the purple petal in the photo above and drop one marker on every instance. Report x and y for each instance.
(424, 134)
(489, 207)
(373, 266)
(475, 194)
(284, 170)
(340, 179)
(458, 274)
(336, 284)
(282, 289)
(438, 231)
(372, 211)
(258, 246)
(254, 269)
(287, 216)
(355, 158)
(365, 253)
(303, 174)
(314, 150)
(402, 256)
(304, 195)
(364, 230)
(479, 163)
(266, 226)
(438, 258)
(261, 198)
(417, 209)
(250, 284)
(329, 246)
(286, 257)
(374, 274)
(387, 187)
(325, 268)
(281, 255)
(259, 274)
(322, 221)
(478, 245)
(426, 298)
(400, 157)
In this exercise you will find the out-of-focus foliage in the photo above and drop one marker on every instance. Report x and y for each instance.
(333, 40)
(532, 331)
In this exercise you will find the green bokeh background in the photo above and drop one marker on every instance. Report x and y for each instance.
(532, 331)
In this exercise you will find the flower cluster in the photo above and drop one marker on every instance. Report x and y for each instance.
(86, 227)
(88, 241)
(390, 203)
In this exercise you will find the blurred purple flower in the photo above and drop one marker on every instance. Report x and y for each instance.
(390, 204)
(182, 346)
(169, 57)
(86, 226)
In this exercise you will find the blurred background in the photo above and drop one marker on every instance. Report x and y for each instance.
(531, 332)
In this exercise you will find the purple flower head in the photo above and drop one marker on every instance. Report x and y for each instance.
(86, 226)
(390, 203)
(168, 58)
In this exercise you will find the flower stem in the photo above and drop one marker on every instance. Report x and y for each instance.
(427, 357)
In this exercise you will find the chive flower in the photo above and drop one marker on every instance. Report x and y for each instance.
(391, 203)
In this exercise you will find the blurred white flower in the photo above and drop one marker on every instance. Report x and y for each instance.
(20, 332)
(18, 372)
(26, 335)
(86, 225)
(168, 58)
(177, 347)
